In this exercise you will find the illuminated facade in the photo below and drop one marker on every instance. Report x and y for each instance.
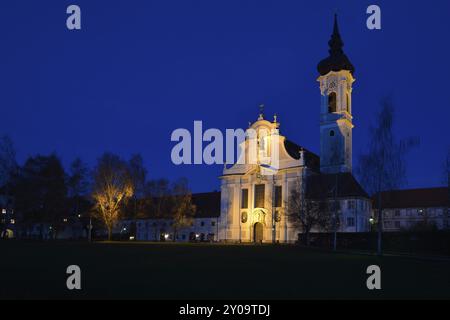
(253, 199)
(255, 195)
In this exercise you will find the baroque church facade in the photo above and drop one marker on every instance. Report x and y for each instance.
(254, 201)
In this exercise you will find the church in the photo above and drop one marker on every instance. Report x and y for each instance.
(254, 203)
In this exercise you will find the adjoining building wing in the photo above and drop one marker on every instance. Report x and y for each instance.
(420, 209)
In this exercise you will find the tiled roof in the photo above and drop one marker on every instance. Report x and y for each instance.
(337, 60)
(311, 159)
(414, 198)
(324, 185)
(207, 204)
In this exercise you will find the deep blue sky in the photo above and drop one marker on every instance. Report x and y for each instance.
(140, 69)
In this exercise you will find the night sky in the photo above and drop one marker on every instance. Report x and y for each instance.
(140, 69)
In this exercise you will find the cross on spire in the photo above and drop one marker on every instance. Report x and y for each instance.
(336, 42)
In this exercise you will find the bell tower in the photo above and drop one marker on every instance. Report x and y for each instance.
(336, 121)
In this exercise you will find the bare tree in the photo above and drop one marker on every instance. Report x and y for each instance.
(112, 187)
(183, 209)
(7, 160)
(447, 177)
(138, 175)
(158, 193)
(383, 167)
(77, 183)
(447, 169)
(8, 168)
(303, 212)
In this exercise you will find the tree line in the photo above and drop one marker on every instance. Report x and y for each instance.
(42, 191)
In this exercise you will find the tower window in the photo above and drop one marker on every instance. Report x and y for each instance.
(348, 102)
(332, 133)
(332, 102)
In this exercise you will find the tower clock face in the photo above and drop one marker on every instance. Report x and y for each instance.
(332, 85)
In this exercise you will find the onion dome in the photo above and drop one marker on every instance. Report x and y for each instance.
(337, 59)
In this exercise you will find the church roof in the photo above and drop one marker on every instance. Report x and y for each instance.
(311, 159)
(207, 204)
(337, 60)
(324, 185)
(414, 198)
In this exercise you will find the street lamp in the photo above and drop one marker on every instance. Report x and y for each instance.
(372, 223)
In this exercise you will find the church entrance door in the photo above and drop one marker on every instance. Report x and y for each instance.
(258, 232)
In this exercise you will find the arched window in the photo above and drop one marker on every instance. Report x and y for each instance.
(332, 133)
(332, 102)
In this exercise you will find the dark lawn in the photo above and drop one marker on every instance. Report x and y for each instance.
(183, 271)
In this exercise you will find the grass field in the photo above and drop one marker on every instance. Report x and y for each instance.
(201, 271)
